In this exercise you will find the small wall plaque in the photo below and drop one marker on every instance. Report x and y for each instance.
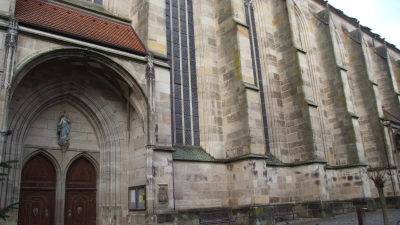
(163, 193)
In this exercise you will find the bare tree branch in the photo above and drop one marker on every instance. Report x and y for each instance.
(379, 175)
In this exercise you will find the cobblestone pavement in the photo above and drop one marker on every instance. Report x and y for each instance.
(372, 218)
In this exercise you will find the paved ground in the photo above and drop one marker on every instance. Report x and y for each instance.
(372, 218)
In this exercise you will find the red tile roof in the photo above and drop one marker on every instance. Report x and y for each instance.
(77, 24)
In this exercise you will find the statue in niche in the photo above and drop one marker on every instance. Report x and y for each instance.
(64, 126)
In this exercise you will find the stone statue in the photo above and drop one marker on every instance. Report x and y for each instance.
(64, 126)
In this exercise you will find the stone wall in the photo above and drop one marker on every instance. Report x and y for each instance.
(117, 7)
(234, 117)
(209, 92)
(148, 20)
(325, 80)
(200, 185)
(383, 75)
(346, 183)
(42, 132)
(269, 43)
(366, 98)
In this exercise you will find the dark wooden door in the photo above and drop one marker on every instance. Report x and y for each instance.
(80, 195)
(38, 182)
(81, 207)
(37, 208)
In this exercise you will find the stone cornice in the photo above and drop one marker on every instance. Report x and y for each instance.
(356, 23)
(272, 161)
(198, 154)
(329, 167)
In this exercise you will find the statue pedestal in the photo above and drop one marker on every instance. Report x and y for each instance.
(64, 144)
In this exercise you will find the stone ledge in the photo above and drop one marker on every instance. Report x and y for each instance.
(240, 23)
(299, 49)
(250, 86)
(353, 115)
(342, 68)
(163, 148)
(353, 35)
(373, 82)
(273, 161)
(160, 56)
(311, 103)
(198, 154)
(329, 167)
(41, 147)
(243, 157)
(322, 16)
(381, 51)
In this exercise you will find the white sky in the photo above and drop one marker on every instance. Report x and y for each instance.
(382, 16)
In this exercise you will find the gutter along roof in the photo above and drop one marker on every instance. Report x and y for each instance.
(67, 21)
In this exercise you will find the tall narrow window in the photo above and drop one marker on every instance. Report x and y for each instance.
(255, 56)
(181, 58)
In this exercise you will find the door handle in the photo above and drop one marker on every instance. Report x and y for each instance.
(69, 213)
(35, 211)
(46, 213)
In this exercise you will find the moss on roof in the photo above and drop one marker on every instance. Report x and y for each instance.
(191, 153)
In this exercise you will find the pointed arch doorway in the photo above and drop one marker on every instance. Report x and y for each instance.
(38, 186)
(103, 100)
(80, 193)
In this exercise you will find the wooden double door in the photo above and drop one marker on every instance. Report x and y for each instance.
(38, 189)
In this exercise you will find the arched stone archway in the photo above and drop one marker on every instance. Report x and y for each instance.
(134, 79)
(106, 107)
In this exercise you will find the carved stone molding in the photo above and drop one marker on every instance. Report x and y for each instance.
(150, 66)
(12, 33)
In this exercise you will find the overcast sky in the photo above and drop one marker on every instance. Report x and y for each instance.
(382, 16)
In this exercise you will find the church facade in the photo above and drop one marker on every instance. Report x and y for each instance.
(156, 111)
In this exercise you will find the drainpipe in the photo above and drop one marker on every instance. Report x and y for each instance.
(150, 139)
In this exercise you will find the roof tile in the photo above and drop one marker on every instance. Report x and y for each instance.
(65, 20)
